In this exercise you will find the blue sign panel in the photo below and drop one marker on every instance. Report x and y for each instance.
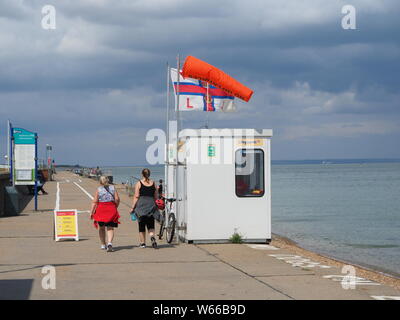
(22, 136)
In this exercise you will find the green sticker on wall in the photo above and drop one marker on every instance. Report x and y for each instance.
(211, 150)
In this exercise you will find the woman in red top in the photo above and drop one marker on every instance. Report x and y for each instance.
(104, 212)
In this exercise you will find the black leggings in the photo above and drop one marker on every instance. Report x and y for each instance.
(146, 221)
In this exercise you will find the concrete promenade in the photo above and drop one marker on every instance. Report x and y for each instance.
(180, 271)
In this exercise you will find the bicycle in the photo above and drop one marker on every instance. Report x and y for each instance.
(168, 221)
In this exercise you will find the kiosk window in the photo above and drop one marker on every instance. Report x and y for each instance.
(249, 172)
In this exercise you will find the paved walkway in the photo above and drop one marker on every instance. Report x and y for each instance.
(178, 271)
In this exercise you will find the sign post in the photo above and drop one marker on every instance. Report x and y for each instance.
(36, 173)
(8, 144)
(66, 225)
(10, 151)
(24, 162)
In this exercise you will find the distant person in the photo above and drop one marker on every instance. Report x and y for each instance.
(160, 189)
(98, 172)
(40, 183)
(104, 212)
(144, 206)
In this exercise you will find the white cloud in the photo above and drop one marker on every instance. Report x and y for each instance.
(80, 39)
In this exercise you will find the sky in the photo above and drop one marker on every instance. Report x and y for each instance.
(96, 84)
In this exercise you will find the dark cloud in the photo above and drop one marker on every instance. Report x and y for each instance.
(102, 72)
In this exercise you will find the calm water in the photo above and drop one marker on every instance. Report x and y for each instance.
(347, 211)
(123, 174)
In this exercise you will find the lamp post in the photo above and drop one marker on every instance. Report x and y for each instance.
(49, 149)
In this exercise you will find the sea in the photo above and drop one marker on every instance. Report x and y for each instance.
(345, 209)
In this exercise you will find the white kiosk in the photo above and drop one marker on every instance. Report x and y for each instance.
(224, 185)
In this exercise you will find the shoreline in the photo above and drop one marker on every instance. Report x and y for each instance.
(362, 271)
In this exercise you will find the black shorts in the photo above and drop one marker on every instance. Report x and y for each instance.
(146, 221)
(108, 224)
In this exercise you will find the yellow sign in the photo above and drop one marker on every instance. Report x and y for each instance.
(66, 224)
(250, 142)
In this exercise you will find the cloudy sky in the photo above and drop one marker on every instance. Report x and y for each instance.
(95, 85)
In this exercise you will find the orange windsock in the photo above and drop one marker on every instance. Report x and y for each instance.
(197, 69)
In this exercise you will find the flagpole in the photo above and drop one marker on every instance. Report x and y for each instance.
(177, 106)
(167, 135)
(207, 99)
(178, 69)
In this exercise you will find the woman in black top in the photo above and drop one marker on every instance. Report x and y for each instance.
(144, 207)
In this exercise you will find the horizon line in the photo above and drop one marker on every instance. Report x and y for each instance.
(273, 160)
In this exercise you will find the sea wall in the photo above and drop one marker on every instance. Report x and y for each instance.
(13, 199)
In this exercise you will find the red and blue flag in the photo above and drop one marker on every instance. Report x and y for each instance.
(197, 95)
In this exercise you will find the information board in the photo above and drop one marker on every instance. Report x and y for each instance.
(66, 224)
(24, 156)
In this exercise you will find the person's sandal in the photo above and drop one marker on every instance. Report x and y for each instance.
(110, 248)
(142, 245)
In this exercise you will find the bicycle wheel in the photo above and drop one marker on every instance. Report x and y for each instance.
(171, 227)
(162, 226)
